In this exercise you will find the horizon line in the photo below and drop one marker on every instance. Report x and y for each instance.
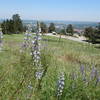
(54, 20)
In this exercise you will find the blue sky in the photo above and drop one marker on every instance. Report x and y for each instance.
(71, 10)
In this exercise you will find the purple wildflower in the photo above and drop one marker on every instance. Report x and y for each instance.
(94, 73)
(60, 85)
(97, 80)
(39, 74)
(82, 70)
(36, 54)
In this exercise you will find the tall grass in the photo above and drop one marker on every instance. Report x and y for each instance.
(17, 80)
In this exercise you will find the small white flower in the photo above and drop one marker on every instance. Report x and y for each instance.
(38, 57)
(33, 42)
(39, 74)
(1, 37)
(60, 91)
(30, 87)
(26, 34)
(31, 53)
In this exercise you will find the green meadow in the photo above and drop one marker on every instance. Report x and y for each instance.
(17, 70)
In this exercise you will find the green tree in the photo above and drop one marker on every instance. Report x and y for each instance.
(89, 33)
(17, 24)
(13, 25)
(93, 34)
(98, 26)
(62, 31)
(97, 33)
(5, 27)
(24, 28)
(51, 27)
(70, 29)
(43, 27)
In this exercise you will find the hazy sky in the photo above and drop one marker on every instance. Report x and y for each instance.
(71, 10)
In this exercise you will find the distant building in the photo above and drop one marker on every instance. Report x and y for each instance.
(79, 31)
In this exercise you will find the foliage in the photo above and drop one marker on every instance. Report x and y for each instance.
(93, 34)
(13, 25)
(70, 29)
(51, 27)
(89, 32)
(43, 27)
(63, 31)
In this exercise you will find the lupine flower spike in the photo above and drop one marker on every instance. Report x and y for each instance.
(60, 85)
(36, 54)
(82, 70)
(27, 38)
(94, 73)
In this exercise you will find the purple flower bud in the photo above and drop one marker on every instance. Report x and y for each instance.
(82, 69)
(94, 73)
(98, 80)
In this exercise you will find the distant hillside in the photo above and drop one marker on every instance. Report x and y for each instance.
(76, 24)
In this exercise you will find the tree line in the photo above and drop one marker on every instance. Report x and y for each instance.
(69, 30)
(13, 25)
(93, 34)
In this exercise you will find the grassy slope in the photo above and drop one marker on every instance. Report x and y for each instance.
(66, 56)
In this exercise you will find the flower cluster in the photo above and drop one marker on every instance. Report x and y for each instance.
(39, 74)
(93, 76)
(60, 85)
(27, 39)
(36, 54)
(82, 70)
(1, 37)
(94, 73)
